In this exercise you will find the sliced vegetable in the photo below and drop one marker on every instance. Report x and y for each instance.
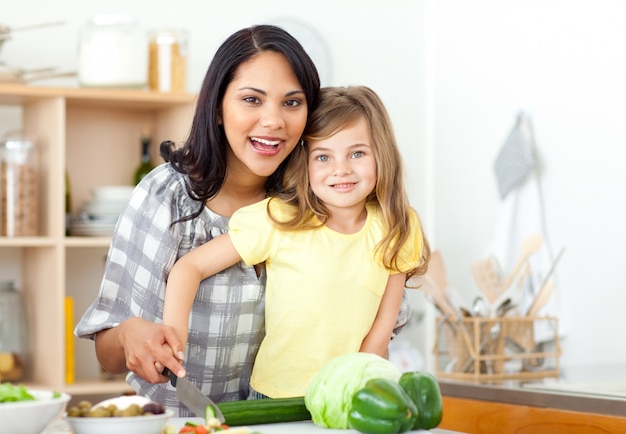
(330, 393)
(382, 407)
(262, 411)
(14, 393)
(424, 391)
(193, 428)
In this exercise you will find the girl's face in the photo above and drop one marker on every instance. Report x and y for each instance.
(264, 112)
(342, 168)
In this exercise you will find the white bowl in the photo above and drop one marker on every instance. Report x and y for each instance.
(31, 417)
(113, 192)
(152, 424)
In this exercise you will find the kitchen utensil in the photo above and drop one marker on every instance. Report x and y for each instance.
(16, 74)
(541, 298)
(439, 298)
(504, 307)
(487, 276)
(552, 267)
(530, 245)
(455, 298)
(479, 307)
(192, 397)
(435, 283)
(544, 293)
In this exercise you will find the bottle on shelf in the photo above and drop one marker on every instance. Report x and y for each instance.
(68, 203)
(14, 342)
(145, 166)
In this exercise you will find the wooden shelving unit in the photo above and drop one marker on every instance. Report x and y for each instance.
(94, 134)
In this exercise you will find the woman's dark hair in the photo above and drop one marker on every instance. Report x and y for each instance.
(203, 156)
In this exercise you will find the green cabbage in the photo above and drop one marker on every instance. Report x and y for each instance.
(329, 395)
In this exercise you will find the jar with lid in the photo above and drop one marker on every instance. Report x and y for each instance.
(19, 186)
(113, 52)
(167, 61)
(13, 333)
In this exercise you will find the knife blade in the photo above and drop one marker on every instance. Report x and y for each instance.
(193, 397)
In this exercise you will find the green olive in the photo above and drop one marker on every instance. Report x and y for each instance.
(74, 412)
(86, 409)
(99, 412)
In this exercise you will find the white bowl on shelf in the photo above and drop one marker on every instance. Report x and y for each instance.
(29, 417)
(120, 193)
(92, 228)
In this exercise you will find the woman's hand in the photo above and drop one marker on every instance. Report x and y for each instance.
(141, 346)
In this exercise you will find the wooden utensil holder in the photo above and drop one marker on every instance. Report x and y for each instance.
(495, 349)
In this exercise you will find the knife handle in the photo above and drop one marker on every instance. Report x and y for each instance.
(171, 376)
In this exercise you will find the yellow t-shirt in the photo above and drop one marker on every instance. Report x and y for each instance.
(322, 295)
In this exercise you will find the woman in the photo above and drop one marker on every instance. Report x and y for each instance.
(251, 112)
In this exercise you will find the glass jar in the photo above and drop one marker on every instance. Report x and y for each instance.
(113, 52)
(19, 185)
(13, 333)
(168, 61)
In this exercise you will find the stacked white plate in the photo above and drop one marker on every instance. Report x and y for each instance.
(99, 215)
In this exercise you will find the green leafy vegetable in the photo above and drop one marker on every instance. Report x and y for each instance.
(329, 395)
(13, 393)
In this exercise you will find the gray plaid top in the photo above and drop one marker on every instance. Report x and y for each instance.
(226, 324)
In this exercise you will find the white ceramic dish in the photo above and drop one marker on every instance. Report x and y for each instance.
(119, 425)
(113, 192)
(92, 228)
(29, 417)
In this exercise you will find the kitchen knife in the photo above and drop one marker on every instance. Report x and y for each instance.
(193, 397)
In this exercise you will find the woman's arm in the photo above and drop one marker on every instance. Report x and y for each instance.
(137, 345)
(185, 277)
(377, 340)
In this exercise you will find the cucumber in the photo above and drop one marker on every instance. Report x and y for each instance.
(262, 411)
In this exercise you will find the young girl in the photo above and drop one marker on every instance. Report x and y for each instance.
(339, 243)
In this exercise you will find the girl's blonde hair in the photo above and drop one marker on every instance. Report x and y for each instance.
(341, 107)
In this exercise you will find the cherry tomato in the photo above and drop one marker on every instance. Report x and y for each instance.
(193, 429)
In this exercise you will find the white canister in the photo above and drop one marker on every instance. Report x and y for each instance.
(113, 52)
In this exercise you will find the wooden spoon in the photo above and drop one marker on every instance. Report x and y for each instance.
(530, 245)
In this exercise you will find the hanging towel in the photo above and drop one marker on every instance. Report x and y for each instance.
(516, 159)
(521, 214)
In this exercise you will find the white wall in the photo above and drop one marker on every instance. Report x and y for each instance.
(454, 75)
(565, 63)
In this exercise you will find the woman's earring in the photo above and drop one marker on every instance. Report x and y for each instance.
(301, 142)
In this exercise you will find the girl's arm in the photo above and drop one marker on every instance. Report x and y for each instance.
(377, 340)
(184, 280)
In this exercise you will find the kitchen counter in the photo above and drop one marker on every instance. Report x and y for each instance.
(60, 427)
(586, 399)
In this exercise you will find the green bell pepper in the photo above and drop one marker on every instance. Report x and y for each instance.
(382, 407)
(423, 389)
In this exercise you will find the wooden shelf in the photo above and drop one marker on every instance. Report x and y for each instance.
(93, 135)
